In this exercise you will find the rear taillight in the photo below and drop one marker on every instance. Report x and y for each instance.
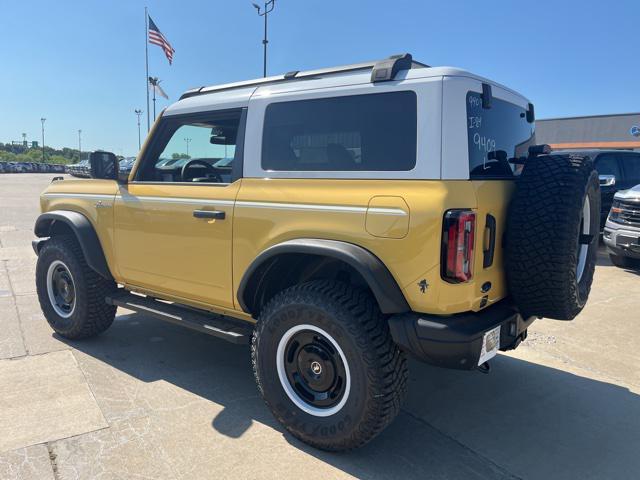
(458, 239)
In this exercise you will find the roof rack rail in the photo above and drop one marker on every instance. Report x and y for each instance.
(381, 71)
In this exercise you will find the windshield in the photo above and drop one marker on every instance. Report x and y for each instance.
(496, 135)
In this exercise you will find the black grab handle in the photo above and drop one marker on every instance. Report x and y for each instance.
(215, 214)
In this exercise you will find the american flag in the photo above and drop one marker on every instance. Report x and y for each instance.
(157, 38)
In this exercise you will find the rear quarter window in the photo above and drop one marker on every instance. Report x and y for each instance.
(372, 132)
(496, 135)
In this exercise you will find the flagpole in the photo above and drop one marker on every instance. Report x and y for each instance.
(146, 57)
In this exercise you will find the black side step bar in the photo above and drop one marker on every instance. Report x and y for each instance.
(234, 331)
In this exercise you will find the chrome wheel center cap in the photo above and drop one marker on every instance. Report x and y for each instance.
(316, 368)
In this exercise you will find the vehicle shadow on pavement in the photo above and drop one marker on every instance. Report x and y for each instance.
(523, 419)
(602, 260)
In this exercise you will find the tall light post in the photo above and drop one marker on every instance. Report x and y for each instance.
(24, 140)
(79, 145)
(43, 120)
(264, 12)
(187, 141)
(138, 112)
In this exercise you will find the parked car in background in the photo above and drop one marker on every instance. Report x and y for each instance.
(126, 164)
(618, 170)
(80, 169)
(218, 169)
(622, 230)
(224, 168)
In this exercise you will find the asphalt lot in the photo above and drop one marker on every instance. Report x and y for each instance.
(151, 400)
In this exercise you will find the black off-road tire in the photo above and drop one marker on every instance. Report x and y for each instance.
(377, 366)
(91, 314)
(624, 262)
(543, 234)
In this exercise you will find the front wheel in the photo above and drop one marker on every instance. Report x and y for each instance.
(326, 366)
(72, 296)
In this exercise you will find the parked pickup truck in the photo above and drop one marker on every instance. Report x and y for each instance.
(622, 230)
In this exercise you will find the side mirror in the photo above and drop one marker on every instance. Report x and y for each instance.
(607, 180)
(123, 177)
(104, 165)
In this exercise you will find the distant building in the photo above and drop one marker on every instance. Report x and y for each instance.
(620, 131)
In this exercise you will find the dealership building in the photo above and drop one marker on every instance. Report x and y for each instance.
(619, 131)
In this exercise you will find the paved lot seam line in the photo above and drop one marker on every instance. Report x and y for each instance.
(15, 307)
(462, 445)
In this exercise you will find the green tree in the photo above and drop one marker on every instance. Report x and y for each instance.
(7, 156)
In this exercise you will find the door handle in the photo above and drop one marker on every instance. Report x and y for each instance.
(214, 214)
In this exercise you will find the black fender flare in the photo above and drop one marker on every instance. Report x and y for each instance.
(381, 282)
(84, 232)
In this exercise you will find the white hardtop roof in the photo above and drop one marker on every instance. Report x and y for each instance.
(237, 94)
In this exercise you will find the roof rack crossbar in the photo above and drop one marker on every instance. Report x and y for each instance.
(382, 70)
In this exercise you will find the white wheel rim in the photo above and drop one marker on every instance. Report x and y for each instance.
(50, 290)
(583, 249)
(284, 381)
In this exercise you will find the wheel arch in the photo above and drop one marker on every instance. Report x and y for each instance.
(63, 221)
(292, 261)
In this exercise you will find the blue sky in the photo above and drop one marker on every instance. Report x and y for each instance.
(80, 64)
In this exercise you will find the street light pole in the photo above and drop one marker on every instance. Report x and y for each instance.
(268, 8)
(79, 145)
(43, 120)
(138, 113)
(187, 141)
(154, 82)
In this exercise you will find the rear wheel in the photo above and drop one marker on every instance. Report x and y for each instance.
(326, 366)
(72, 295)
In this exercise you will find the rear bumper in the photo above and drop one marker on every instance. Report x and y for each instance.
(455, 341)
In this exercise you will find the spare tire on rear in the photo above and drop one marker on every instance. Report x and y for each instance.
(552, 236)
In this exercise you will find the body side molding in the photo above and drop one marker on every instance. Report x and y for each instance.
(85, 233)
(384, 287)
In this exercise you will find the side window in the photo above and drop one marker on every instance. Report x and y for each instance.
(374, 132)
(607, 164)
(199, 148)
(631, 166)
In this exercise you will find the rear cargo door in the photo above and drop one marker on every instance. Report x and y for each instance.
(498, 136)
(492, 133)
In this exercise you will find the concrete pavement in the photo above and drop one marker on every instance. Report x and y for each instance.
(152, 400)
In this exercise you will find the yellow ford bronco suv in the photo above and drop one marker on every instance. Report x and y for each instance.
(337, 220)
